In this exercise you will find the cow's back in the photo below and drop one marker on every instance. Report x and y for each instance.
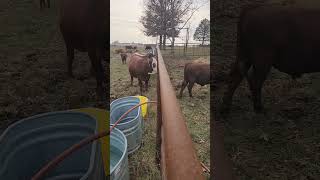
(83, 23)
(290, 35)
(138, 66)
(200, 72)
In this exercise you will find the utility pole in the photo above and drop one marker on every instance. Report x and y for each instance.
(187, 39)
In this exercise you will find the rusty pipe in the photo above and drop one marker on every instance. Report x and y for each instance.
(178, 156)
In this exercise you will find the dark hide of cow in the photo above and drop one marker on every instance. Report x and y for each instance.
(84, 27)
(285, 38)
(195, 73)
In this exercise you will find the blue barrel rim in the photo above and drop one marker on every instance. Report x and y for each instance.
(41, 115)
(118, 99)
(125, 149)
(93, 144)
(124, 123)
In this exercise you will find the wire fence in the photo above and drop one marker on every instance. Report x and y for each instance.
(184, 50)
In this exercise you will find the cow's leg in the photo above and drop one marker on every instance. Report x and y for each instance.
(48, 1)
(42, 3)
(183, 86)
(147, 82)
(140, 84)
(96, 64)
(256, 79)
(70, 58)
(190, 85)
(131, 80)
(238, 71)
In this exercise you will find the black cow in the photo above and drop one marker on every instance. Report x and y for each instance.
(84, 26)
(285, 38)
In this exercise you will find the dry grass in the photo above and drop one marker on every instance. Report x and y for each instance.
(32, 64)
(142, 163)
(196, 110)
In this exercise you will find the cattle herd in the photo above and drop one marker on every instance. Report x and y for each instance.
(141, 66)
(267, 36)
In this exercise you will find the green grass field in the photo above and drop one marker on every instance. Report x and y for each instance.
(196, 111)
(142, 162)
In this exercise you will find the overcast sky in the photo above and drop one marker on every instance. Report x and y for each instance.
(125, 25)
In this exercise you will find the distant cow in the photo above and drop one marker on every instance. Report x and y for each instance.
(128, 47)
(84, 26)
(285, 38)
(118, 51)
(123, 57)
(195, 72)
(43, 3)
(148, 47)
(141, 66)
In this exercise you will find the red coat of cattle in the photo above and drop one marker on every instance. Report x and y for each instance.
(195, 72)
(286, 38)
(84, 26)
(141, 66)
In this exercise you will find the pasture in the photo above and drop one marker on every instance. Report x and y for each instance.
(196, 111)
(284, 142)
(33, 68)
(192, 49)
(281, 144)
(142, 162)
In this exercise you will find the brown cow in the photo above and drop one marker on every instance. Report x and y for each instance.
(43, 3)
(195, 72)
(118, 51)
(285, 38)
(141, 66)
(84, 26)
(128, 47)
(123, 57)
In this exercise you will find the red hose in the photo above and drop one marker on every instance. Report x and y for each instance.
(53, 163)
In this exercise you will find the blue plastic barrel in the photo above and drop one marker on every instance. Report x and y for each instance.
(119, 169)
(29, 144)
(132, 124)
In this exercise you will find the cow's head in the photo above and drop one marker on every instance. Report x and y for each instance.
(152, 64)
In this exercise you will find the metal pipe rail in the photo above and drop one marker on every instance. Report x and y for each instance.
(178, 159)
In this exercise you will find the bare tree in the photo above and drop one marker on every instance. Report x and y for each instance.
(163, 17)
